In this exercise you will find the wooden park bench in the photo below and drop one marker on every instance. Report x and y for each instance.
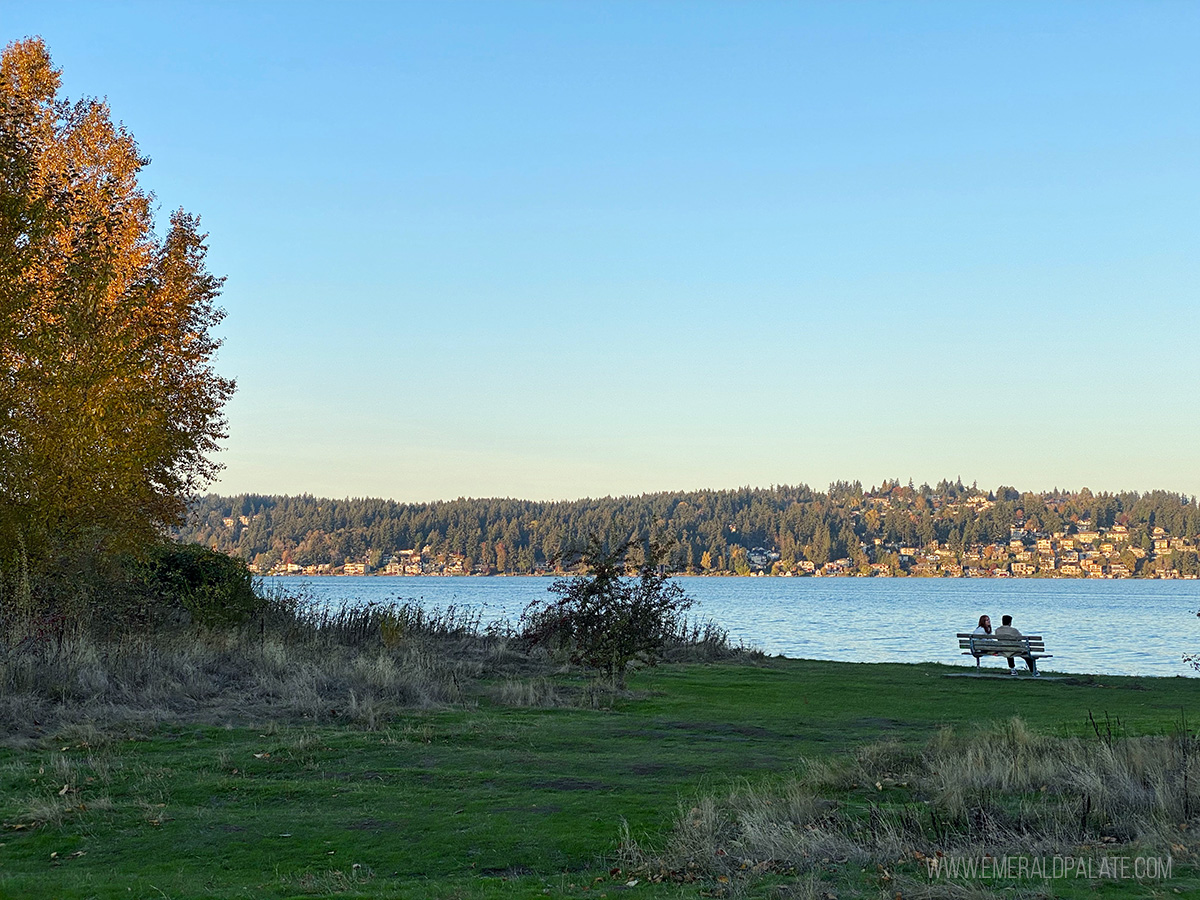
(981, 645)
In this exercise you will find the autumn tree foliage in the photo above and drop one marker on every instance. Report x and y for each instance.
(109, 404)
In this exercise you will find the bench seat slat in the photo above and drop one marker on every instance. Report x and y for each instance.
(1027, 646)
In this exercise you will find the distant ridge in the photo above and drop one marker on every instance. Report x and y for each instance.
(892, 529)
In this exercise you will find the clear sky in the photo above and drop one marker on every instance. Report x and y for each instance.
(566, 249)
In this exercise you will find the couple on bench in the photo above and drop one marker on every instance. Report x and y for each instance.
(1007, 631)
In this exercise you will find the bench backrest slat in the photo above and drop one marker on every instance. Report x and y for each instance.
(1001, 645)
(1024, 637)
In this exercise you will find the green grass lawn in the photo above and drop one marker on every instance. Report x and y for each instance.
(497, 802)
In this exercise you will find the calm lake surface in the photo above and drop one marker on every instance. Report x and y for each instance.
(1104, 627)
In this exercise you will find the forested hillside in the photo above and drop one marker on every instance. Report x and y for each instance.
(890, 529)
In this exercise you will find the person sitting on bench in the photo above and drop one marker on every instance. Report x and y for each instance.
(1006, 630)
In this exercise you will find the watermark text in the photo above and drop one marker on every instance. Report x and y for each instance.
(1024, 868)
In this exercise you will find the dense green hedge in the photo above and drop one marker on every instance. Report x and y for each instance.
(214, 588)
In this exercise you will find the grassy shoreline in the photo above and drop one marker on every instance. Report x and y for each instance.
(492, 800)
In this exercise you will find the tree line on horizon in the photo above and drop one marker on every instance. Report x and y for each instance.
(706, 531)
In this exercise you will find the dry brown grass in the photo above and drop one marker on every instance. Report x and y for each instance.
(999, 791)
(295, 663)
(291, 665)
(82, 683)
(59, 787)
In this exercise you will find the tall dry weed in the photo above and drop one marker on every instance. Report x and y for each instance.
(1001, 791)
(90, 684)
(297, 662)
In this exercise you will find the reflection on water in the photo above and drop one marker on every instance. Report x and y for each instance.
(1104, 627)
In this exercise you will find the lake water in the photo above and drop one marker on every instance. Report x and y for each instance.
(1114, 627)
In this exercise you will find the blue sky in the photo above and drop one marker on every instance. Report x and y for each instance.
(555, 250)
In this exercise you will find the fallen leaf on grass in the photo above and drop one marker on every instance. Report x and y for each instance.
(262, 755)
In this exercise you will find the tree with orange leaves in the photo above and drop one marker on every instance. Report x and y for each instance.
(109, 405)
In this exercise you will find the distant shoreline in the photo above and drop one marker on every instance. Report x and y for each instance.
(1006, 577)
(950, 530)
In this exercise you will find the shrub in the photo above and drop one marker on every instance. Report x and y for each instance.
(606, 621)
(215, 589)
